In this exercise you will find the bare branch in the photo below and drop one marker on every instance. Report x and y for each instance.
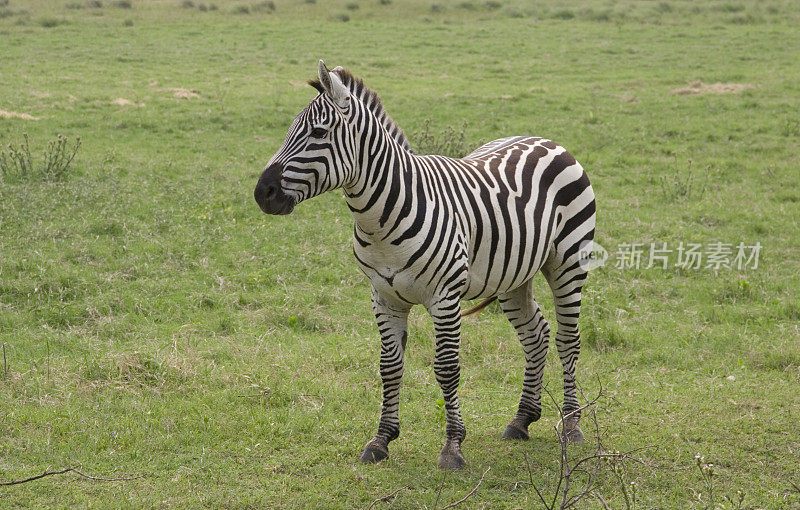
(439, 493)
(385, 499)
(530, 474)
(601, 500)
(32, 478)
(451, 505)
(70, 470)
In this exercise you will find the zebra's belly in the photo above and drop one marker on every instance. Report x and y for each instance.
(479, 286)
(420, 283)
(490, 274)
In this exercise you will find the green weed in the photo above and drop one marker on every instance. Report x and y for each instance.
(16, 162)
(450, 142)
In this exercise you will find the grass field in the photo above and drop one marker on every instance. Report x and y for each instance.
(156, 325)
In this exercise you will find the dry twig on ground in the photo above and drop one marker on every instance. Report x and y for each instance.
(70, 470)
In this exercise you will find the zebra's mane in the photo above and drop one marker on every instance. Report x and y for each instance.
(371, 100)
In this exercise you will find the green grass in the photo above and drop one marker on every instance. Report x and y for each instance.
(156, 323)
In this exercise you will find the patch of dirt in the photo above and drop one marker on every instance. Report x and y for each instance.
(698, 87)
(121, 101)
(6, 114)
(184, 93)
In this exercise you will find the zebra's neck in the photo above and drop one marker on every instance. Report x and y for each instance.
(379, 189)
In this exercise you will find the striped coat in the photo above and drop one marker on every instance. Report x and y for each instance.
(434, 231)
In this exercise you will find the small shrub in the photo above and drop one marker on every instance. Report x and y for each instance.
(127, 23)
(264, 6)
(16, 162)
(564, 14)
(49, 22)
(385, 2)
(677, 188)
(311, 1)
(187, 4)
(436, 8)
(352, 6)
(469, 6)
(732, 7)
(450, 142)
(241, 9)
(344, 18)
(493, 5)
(123, 4)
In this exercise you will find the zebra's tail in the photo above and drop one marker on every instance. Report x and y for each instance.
(480, 306)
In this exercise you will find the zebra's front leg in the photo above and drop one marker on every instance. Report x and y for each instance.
(392, 324)
(447, 323)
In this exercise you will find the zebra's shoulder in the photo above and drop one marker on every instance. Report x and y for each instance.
(500, 144)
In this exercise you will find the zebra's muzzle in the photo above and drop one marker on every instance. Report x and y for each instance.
(269, 195)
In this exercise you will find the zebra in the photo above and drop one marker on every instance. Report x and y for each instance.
(434, 230)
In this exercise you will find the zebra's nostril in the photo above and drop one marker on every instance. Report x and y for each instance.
(270, 191)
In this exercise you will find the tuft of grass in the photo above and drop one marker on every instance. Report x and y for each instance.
(352, 6)
(343, 17)
(49, 22)
(17, 164)
(241, 9)
(682, 187)
(123, 4)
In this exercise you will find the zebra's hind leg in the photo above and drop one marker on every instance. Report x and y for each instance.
(566, 281)
(524, 314)
(392, 324)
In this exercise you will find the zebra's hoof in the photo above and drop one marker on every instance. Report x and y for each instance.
(373, 454)
(451, 457)
(572, 433)
(514, 432)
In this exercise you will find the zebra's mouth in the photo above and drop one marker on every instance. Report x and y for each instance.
(280, 205)
(271, 198)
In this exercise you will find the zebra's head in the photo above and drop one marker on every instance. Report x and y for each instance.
(317, 154)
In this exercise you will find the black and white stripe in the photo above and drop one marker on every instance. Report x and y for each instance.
(434, 231)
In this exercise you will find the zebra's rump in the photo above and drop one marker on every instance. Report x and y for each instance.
(528, 190)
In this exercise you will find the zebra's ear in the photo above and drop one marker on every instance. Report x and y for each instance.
(333, 85)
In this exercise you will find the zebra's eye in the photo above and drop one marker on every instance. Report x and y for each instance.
(318, 132)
